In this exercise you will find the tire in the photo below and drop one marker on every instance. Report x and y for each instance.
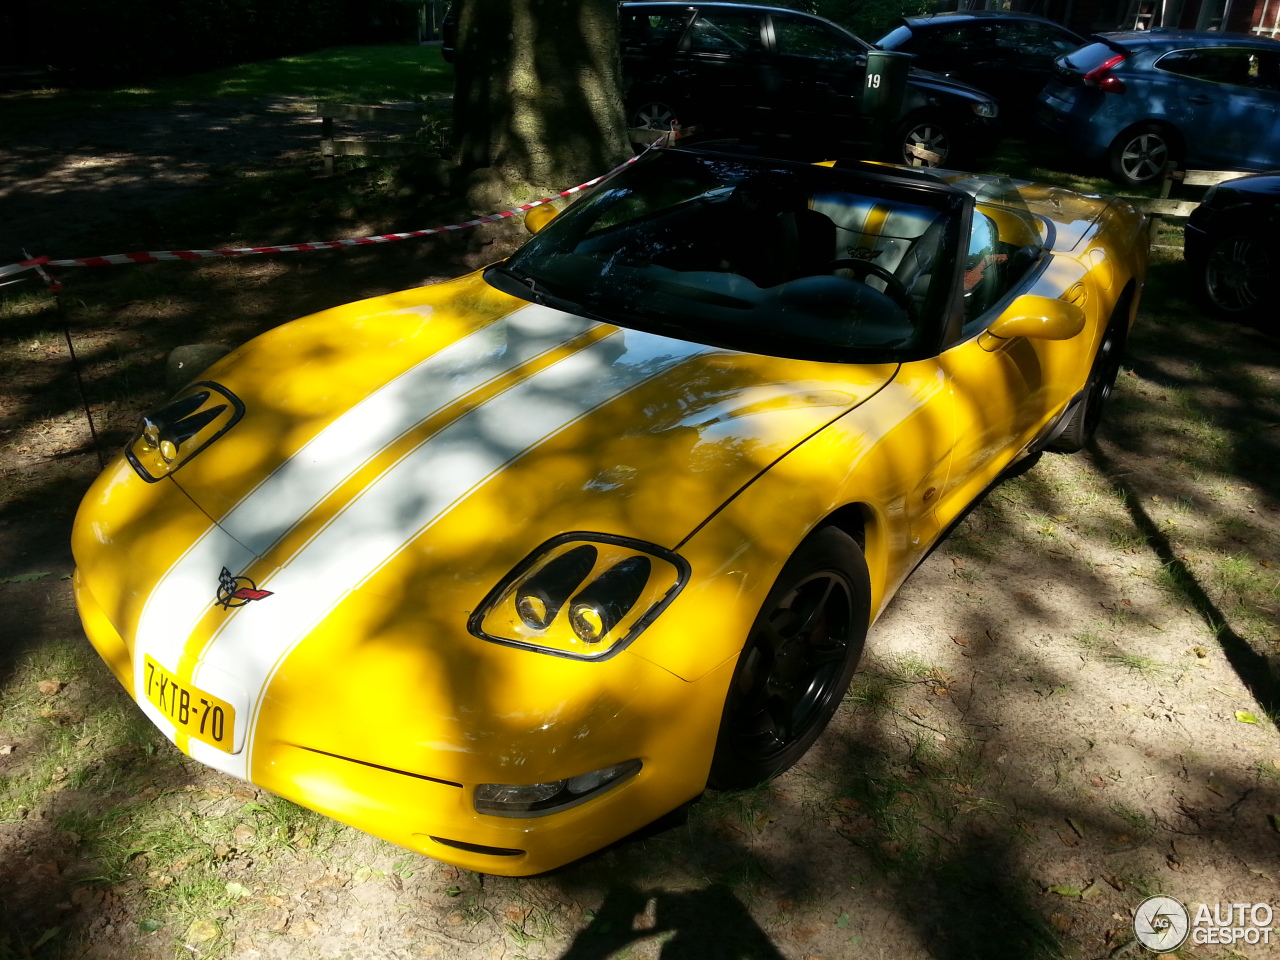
(1086, 417)
(1238, 270)
(1140, 153)
(655, 113)
(927, 131)
(797, 661)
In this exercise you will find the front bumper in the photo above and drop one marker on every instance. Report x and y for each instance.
(425, 803)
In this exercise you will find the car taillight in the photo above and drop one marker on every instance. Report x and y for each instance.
(1101, 77)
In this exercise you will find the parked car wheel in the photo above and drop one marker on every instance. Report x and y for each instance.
(923, 140)
(655, 114)
(1087, 416)
(797, 662)
(1139, 155)
(1238, 271)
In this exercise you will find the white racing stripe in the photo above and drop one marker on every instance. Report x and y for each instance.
(391, 512)
(409, 498)
(187, 591)
(329, 458)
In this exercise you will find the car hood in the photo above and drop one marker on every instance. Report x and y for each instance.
(382, 417)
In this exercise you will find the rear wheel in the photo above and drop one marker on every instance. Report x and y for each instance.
(797, 662)
(1139, 155)
(1238, 272)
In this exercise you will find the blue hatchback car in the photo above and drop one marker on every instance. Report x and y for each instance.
(1143, 98)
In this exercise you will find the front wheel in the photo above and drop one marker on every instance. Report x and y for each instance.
(1098, 388)
(1139, 155)
(1238, 272)
(796, 663)
(923, 140)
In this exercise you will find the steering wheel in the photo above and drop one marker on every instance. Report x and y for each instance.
(894, 288)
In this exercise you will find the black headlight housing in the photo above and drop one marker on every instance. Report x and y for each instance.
(585, 596)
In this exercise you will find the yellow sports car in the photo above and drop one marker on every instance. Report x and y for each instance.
(506, 568)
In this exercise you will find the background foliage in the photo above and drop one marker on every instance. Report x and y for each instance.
(95, 42)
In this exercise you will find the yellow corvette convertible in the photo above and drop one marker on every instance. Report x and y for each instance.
(506, 568)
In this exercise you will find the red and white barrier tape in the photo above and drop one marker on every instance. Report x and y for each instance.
(155, 256)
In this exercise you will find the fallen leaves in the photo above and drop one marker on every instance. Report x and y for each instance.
(1244, 716)
(201, 931)
(50, 688)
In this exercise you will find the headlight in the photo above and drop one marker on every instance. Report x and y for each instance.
(987, 108)
(539, 799)
(581, 595)
(170, 436)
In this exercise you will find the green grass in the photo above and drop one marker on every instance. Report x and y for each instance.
(364, 74)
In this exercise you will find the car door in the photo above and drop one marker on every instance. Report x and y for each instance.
(815, 80)
(1227, 104)
(1004, 392)
(720, 65)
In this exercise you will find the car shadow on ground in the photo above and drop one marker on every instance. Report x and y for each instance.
(706, 924)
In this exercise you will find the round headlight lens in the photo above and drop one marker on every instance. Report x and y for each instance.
(532, 610)
(540, 598)
(587, 622)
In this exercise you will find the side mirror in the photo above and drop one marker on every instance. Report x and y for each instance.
(539, 217)
(1036, 318)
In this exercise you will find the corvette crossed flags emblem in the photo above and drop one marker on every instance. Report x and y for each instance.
(237, 591)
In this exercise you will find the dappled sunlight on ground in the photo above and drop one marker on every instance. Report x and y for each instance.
(1069, 706)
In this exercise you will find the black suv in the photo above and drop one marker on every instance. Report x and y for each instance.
(776, 75)
(1009, 55)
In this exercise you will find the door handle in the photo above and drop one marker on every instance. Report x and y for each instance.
(1199, 98)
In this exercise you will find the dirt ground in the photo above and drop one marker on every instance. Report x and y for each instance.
(1069, 707)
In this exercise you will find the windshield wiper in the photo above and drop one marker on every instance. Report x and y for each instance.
(540, 294)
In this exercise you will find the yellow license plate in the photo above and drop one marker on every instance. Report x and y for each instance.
(192, 710)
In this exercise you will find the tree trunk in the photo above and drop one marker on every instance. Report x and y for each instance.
(538, 98)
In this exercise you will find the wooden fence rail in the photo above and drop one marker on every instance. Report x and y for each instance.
(1163, 206)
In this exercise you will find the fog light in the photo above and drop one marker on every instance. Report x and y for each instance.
(516, 794)
(539, 799)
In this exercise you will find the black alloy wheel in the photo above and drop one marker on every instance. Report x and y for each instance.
(797, 662)
(1237, 273)
(1139, 155)
(1098, 388)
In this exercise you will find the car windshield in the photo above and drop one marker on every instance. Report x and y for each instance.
(785, 260)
